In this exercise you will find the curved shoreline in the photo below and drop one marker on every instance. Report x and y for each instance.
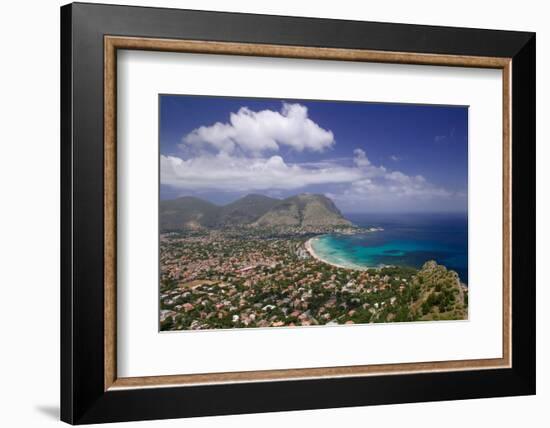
(309, 247)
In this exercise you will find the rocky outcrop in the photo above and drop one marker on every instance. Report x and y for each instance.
(442, 295)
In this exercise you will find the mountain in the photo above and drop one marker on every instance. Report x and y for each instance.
(255, 210)
(303, 210)
(246, 210)
(188, 212)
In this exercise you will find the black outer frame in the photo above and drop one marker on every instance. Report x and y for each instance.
(83, 399)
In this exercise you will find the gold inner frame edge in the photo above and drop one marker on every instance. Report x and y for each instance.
(113, 43)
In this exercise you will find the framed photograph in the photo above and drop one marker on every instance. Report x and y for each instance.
(266, 213)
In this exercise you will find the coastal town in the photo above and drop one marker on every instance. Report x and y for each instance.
(277, 213)
(248, 277)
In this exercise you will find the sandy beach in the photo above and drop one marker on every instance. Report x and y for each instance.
(311, 251)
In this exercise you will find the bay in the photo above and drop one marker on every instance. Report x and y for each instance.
(406, 240)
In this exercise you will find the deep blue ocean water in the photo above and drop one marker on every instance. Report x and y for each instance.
(407, 240)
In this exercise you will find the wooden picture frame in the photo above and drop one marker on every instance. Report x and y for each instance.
(91, 390)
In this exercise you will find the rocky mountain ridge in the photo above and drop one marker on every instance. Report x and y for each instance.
(257, 211)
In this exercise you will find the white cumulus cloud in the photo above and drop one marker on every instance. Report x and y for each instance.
(232, 173)
(359, 184)
(384, 189)
(360, 158)
(255, 133)
(242, 155)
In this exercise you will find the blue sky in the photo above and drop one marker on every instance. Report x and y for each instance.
(368, 157)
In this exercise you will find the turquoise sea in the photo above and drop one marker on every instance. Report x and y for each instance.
(406, 240)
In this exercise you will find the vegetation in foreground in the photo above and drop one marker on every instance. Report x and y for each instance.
(239, 278)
